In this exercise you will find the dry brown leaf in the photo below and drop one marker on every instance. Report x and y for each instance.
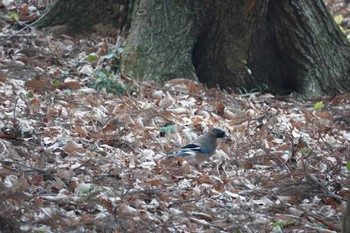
(220, 109)
(204, 179)
(109, 127)
(246, 165)
(170, 116)
(284, 147)
(102, 50)
(30, 17)
(106, 203)
(196, 120)
(298, 125)
(73, 185)
(332, 202)
(72, 147)
(232, 116)
(24, 11)
(50, 113)
(154, 182)
(38, 202)
(39, 85)
(86, 218)
(178, 83)
(167, 101)
(4, 172)
(163, 198)
(226, 180)
(323, 114)
(203, 216)
(70, 85)
(34, 105)
(193, 88)
(79, 130)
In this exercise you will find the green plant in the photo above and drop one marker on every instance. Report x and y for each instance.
(56, 82)
(109, 82)
(305, 150)
(282, 224)
(167, 129)
(339, 20)
(13, 17)
(318, 105)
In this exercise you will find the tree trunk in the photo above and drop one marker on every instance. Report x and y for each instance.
(279, 46)
(107, 17)
(312, 54)
(161, 40)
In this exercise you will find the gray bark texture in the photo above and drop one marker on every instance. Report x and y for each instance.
(313, 54)
(284, 46)
(161, 40)
(280, 46)
(108, 17)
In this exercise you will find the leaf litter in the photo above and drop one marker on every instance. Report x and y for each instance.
(73, 159)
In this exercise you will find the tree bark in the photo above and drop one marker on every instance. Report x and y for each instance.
(313, 53)
(284, 46)
(107, 17)
(161, 40)
(279, 46)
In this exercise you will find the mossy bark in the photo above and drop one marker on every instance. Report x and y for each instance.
(301, 49)
(107, 17)
(162, 37)
(285, 45)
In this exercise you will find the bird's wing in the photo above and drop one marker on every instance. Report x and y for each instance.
(196, 148)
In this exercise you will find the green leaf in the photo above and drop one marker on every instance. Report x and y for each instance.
(338, 19)
(168, 128)
(279, 224)
(13, 16)
(30, 95)
(282, 224)
(318, 105)
(56, 82)
(109, 83)
(304, 150)
(348, 165)
(91, 58)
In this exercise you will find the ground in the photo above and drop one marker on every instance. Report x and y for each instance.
(76, 158)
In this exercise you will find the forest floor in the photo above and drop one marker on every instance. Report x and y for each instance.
(74, 159)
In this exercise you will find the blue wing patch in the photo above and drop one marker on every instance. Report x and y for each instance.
(196, 148)
(205, 150)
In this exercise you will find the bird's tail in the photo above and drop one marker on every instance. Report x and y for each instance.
(180, 154)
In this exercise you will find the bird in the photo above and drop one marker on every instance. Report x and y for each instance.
(201, 149)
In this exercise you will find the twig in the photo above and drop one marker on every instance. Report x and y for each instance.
(22, 35)
(29, 25)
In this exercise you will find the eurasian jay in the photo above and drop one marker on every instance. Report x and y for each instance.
(202, 148)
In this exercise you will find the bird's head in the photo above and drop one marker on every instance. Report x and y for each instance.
(218, 133)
